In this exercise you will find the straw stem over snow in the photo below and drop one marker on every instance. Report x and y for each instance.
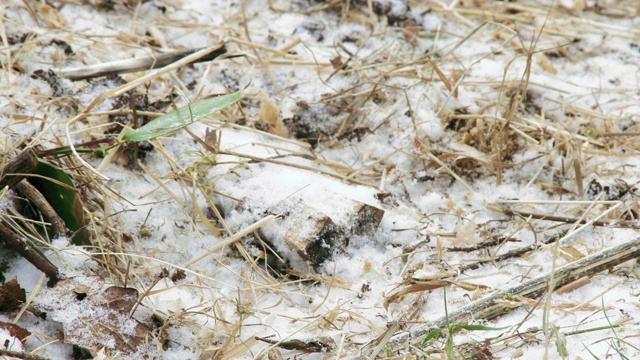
(381, 179)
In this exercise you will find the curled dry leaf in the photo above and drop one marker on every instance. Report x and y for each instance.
(15, 330)
(270, 114)
(96, 319)
(11, 295)
(466, 233)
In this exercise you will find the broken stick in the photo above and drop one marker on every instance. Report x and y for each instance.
(29, 252)
(137, 64)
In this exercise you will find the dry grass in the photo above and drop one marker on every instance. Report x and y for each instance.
(518, 116)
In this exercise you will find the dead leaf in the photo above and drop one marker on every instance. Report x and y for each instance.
(177, 275)
(270, 114)
(51, 15)
(95, 319)
(15, 330)
(483, 352)
(11, 295)
(212, 140)
(427, 286)
(573, 253)
(466, 233)
(274, 354)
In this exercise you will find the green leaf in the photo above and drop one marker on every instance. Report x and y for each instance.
(430, 336)
(57, 187)
(182, 117)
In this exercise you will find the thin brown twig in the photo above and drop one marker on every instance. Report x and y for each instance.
(29, 252)
(40, 202)
(137, 64)
(564, 219)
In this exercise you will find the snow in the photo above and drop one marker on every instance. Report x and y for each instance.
(10, 342)
(224, 300)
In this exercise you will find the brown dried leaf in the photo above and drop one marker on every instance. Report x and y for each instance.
(177, 275)
(574, 253)
(212, 140)
(466, 233)
(11, 295)
(116, 298)
(51, 15)
(270, 114)
(546, 64)
(95, 319)
(15, 330)
(274, 354)
(483, 352)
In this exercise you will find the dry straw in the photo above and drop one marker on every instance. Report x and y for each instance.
(486, 142)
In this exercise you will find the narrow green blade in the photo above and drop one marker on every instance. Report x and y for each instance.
(431, 335)
(182, 117)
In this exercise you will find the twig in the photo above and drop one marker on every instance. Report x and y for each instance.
(482, 245)
(94, 146)
(564, 219)
(21, 355)
(295, 344)
(232, 239)
(474, 265)
(492, 306)
(29, 252)
(277, 162)
(136, 64)
(50, 215)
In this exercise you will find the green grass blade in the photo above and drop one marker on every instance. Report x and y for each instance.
(431, 335)
(182, 117)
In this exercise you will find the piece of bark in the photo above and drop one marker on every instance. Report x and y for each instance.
(314, 236)
(29, 252)
(367, 217)
(136, 64)
(17, 169)
(493, 306)
(311, 234)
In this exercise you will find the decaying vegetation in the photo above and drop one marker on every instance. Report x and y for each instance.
(391, 179)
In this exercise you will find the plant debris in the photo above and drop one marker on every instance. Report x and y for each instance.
(93, 318)
(382, 178)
